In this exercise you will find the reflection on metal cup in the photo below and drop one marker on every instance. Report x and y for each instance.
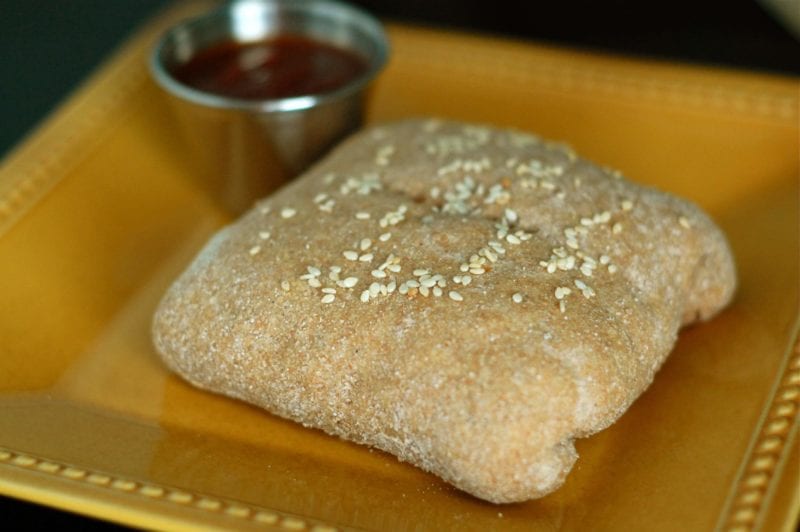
(245, 148)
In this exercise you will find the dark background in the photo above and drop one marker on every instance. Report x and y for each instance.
(47, 47)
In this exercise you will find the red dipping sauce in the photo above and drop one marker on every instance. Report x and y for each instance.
(280, 67)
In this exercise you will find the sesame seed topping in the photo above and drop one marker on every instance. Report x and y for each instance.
(362, 215)
(328, 290)
(365, 244)
(612, 268)
(466, 279)
(403, 289)
(288, 212)
(314, 271)
(562, 292)
(627, 205)
(380, 274)
(511, 216)
(350, 255)
(562, 305)
(437, 292)
(455, 296)
(586, 269)
(255, 250)
(513, 239)
(364, 296)
(684, 222)
(428, 282)
(425, 291)
(604, 259)
(264, 235)
(328, 298)
(394, 268)
(616, 228)
(384, 237)
(350, 282)
(420, 272)
(314, 282)
(366, 257)
(516, 298)
(412, 283)
(285, 286)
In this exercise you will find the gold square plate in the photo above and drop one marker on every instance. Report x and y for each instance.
(99, 212)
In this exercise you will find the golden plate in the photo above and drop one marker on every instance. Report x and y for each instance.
(98, 213)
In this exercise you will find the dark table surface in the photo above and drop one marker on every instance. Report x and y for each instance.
(47, 47)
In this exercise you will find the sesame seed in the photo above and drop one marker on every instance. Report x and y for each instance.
(328, 290)
(394, 268)
(616, 228)
(314, 271)
(288, 212)
(255, 250)
(403, 289)
(586, 269)
(328, 298)
(513, 239)
(612, 268)
(424, 290)
(511, 216)
(477, 271)
(562, 305)
(684, 222)
(364, 296)
(314, 282)
(627, 205)
(264, 235)
(350, 282)
(350, 255)
(580, 284)
(428, 283)
(384, 237)
(380, 274)
(587, 222)
(366, 257)
(419, 272)
(604, 259)
(551, 267)
(374, 289)
(572, 243)
(562, 292)
(466, 279)
(336, 269)
(365, 244)
(437, 292)
(455, 296)
(391, 286)
(285, 286)
(384, 290)
(412, 283)
(517, 298)
(362, 215)
(464, 267)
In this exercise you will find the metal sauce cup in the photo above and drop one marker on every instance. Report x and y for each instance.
(244, 149)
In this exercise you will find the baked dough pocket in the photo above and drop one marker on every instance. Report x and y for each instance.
(467, 298)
